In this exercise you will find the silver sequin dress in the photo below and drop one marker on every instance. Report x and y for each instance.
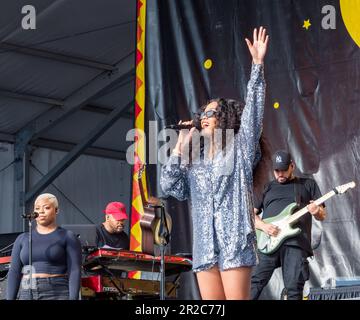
(222, 203)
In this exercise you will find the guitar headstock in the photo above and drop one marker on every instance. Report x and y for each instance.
(345, 187)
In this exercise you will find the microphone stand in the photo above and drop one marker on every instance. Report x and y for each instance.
(30, 217)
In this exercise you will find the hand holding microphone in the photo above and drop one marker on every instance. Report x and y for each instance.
(184, 137)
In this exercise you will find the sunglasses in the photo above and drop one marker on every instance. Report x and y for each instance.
(208, 114)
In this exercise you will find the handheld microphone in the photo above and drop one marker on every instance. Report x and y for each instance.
(32, 215)
(179, 126)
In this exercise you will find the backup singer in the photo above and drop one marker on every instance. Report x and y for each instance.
(56, 258)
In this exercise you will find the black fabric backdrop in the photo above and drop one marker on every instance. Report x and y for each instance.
(312, 74)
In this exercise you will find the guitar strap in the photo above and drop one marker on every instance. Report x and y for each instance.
(164, 229)
(297, 191)
(297, 185)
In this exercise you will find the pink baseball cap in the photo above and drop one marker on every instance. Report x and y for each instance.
(117, 210)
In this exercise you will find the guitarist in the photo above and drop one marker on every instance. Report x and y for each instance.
(292, 254)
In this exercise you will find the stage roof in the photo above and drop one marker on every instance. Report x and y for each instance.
(62, 79)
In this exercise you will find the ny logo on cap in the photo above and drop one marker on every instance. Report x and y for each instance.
(278, 159)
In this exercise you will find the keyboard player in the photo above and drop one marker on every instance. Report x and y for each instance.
(111, 232)
(111, 266)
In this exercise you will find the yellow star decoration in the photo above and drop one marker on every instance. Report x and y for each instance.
(307, 24)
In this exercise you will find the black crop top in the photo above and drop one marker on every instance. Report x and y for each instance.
(58, 252)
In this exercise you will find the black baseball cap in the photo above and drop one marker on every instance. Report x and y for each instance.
(281, 160)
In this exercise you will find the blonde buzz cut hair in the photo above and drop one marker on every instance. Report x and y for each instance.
(49, 197)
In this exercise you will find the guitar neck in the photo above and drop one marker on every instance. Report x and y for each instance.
(141, 188)
(296, 216)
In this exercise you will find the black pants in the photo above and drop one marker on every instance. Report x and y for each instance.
(56, 288)
(295, 270)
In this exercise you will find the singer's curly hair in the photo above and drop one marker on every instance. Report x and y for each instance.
(229, 112)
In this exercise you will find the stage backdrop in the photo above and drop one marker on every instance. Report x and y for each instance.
(195, 50)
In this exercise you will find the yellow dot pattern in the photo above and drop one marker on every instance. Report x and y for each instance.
(208, 64)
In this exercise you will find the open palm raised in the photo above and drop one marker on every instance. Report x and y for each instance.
(259, 46)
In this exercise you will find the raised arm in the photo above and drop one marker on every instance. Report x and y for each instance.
(252, 117)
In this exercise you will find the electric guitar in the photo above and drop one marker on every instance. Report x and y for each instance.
(286, 218)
